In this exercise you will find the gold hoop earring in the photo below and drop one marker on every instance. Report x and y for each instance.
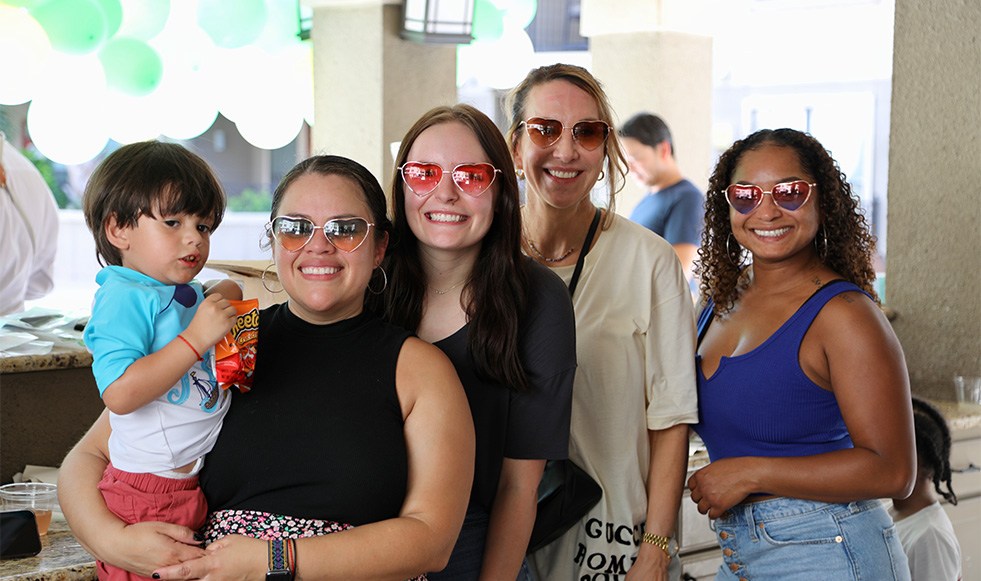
(602, 176)
(265, 283)
(520, 173)
(384, 284)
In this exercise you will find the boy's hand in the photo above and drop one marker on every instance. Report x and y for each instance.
(213, 320)
(227, 288)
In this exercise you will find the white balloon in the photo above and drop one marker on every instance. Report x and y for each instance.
(301, 59)
(189, 111)
(270, 113)
(131, 118)
(144, 19)
(276, 129)
(239, 76)
(500, 63)
(188, 105)
(46, 124)
(25, 48)
(295, 64)
(67, 117)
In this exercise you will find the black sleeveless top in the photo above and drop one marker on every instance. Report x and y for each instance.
(320, 435)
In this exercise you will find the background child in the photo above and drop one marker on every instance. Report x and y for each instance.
(152, 207)
(924, 529)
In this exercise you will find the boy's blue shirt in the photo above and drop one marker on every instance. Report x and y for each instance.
(134, 315)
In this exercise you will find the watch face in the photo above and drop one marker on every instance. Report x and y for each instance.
(279, 575)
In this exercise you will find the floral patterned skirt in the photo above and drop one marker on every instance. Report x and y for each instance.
(267, 526)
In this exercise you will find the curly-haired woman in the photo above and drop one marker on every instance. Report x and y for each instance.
(803, 390)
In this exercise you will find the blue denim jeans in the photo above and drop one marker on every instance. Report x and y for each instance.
(790, 539)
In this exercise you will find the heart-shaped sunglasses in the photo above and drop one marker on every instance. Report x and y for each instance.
(744, 198)
(293, 233)
(546, 132)
(472, 179)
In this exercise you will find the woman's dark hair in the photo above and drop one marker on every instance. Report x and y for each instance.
(495, 297)
(325, 165)
(849, 247)
(616, 162)
(149, 178)
(933, 445)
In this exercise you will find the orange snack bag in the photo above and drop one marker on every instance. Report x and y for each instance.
(235, 353)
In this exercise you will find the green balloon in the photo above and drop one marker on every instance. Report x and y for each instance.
(132, 66)
(112, 10)
(73, 26)
(232, 23)
(488, 21)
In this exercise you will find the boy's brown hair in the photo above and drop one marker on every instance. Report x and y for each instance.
(149, 178)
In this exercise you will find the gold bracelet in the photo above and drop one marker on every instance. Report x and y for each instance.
(658, 541)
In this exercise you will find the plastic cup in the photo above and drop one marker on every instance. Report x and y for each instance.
(37, 497)
(968, 389)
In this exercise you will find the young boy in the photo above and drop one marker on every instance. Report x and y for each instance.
(152, 207)
(925, 531)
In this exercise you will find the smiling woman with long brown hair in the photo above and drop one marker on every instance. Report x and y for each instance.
(459, 280)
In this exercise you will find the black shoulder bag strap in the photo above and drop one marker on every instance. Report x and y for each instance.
(574, 281)
(566, 492)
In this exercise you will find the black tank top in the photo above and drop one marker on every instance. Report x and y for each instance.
(321, 433)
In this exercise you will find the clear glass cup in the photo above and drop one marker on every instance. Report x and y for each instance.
(967, 389)
(37, 497)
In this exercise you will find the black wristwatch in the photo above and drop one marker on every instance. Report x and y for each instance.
(280, 559)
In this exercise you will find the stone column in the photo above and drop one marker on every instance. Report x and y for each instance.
(933, 263)
(649, 59)
(369, 84)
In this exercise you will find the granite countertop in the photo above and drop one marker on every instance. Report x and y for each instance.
(59, 358)
(964, 419)
(61, 559)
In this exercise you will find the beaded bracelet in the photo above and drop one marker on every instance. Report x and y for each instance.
(282, 560)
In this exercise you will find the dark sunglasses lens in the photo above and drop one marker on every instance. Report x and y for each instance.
(422, 178)
(347, 234)
(474, 178)
(791, 196)
(744, 199)
(590, 134)
(543, 132)
(292, 233)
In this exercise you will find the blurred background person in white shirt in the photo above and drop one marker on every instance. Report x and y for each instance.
(28, 231)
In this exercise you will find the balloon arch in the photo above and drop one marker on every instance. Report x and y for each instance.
(129, 70)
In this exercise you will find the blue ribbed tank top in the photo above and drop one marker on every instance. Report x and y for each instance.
(761, 403)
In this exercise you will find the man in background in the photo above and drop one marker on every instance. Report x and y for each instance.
(673, 207)
(28, 231)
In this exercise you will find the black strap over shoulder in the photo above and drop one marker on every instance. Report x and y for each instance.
(574, 281)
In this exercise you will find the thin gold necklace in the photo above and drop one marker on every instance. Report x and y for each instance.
(539, 254)
(443, 292)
